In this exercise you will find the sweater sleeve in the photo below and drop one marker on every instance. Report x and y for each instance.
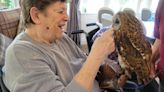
(30, 72)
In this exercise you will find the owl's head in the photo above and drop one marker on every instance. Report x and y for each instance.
(124, 20)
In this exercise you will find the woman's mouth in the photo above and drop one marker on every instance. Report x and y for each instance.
(62, 27)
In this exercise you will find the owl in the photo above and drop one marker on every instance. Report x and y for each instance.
(134, 51)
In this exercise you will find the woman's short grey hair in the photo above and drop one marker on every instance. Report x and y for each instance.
(41, 5)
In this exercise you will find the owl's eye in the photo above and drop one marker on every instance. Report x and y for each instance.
(117, 21)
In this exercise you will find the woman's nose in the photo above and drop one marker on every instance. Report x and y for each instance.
(66, 17)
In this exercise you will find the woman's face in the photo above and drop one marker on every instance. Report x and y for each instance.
(53, 20)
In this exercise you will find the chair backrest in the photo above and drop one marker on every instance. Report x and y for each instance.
(146, 14)
(105, 16)
(9, 21)
(129, 10)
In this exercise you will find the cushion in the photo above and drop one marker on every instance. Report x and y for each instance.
(9, 20)
(4, 43)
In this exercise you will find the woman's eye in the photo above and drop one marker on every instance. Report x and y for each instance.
(61, 11)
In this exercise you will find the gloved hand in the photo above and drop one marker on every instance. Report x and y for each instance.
(108, 75)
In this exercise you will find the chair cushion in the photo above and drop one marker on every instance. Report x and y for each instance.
(9, 20)
(4, 43)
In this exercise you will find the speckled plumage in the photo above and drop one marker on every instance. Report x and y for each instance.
(134, 51)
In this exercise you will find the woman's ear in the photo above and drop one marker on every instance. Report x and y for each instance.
(34, 13)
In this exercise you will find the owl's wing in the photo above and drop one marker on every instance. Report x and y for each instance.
(139, 42)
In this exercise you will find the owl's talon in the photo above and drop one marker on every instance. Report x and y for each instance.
(144, 81)
(128, 74)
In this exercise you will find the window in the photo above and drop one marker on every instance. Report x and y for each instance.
(154, 4)
(92, 6)
(7, 3)
(118, 5)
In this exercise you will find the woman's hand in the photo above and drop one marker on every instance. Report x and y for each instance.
(103, 45)
(155, 57)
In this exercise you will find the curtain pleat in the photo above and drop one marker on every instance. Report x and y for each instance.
(74, 21)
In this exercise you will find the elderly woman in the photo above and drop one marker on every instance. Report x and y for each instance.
(44, 59)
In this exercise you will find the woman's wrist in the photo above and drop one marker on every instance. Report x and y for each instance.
(97, 56)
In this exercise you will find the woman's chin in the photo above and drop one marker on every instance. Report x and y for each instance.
(60, 36)
(63, 30)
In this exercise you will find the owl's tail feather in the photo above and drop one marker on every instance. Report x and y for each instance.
(149, 80)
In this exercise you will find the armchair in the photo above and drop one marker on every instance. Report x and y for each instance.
(9, 22)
